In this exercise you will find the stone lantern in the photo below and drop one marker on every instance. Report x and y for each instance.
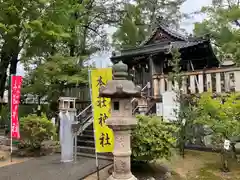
(67, 119)
(121, 91)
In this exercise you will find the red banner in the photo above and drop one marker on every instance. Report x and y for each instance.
(16, 82)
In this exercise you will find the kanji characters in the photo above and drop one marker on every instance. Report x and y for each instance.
(101, 111)
(101, 102)
(104, 140)
(100, 82)
(16, 82)
(102, 118)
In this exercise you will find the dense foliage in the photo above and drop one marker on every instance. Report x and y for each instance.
(223, 26)
(140, 17)
(221, 114)
(36, 33)
(43, 33)
(34, 130)
(152, 139)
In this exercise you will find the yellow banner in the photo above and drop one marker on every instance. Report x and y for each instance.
(104, 138)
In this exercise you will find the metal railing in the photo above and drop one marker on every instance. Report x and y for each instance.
(83, 111)
(87, 118)
(146, 87)
(83, 120)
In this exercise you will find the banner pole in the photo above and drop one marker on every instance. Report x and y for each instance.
(10, 101)
(96, 155)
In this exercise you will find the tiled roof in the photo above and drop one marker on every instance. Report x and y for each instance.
(180, 42)
(171, 32)
(158, 47)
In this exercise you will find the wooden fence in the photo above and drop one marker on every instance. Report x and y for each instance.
(82, 93)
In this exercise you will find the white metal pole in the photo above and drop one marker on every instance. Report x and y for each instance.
(94, 131)
(75, 148)
(11, 140)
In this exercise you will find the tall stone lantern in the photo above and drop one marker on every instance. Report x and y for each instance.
(121, 91)
(67, 117)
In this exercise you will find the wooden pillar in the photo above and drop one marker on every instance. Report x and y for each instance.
(218, 83)
(237, 81)
(156, 90)
(154, 82)
(184, 84)
(200, 83)
(162, 84)
(170, 85)
(227, 81)
(209, 82)
(192, 84)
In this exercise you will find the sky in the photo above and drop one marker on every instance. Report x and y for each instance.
(102, 59)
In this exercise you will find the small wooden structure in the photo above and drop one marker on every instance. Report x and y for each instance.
(82, 94)
(149, 62)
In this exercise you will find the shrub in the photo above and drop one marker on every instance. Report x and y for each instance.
(152, 139)
(34, 130)
(221, 114)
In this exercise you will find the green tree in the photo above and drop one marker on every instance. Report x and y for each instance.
(186, 113)
(50, 78)
(30, 29)
(223, 26)
(140, 17)
(84, 35)
(222, 115)
(32, 32)
(131, 30)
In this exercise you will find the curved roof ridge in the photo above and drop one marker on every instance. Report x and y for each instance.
(163, 26)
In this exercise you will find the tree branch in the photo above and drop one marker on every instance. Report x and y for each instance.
(230, 7)
(94, 30)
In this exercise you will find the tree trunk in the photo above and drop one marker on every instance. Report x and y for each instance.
(13, 63)
(5, 59)
(9, 55)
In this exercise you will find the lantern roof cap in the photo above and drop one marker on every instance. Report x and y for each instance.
(120, 87)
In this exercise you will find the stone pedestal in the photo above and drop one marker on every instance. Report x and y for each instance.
(122, 149)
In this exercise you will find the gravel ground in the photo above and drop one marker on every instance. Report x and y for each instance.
(50, 168)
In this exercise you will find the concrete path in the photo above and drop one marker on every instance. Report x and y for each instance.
(50, 168)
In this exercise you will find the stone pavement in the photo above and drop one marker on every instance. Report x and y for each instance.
(50, 168)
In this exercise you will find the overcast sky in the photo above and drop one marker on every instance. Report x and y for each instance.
(190, 6)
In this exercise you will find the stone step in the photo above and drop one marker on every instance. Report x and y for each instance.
(90, 127)
(88, 143)
(86, 137)
(88, 132)
(86, 149)
(2, 132)
(91, 150)
(99, 156)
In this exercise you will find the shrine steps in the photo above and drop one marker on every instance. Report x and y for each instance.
(86, 145)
